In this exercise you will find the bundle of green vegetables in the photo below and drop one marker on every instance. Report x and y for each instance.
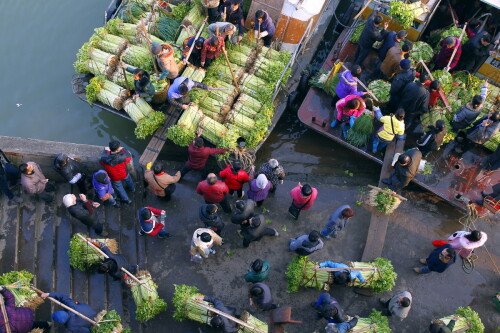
(148, 125)
(453, 31)
(360, 133)
(118, 77)
(18, 283)
(240, 119)
(185, 305)
(301, 273)
(166, 28)
(109, 322)
(357, 32)
(261, 127)
(239, 59)
(324, 81)
(383, 202)
(146, 4)
(183, 133)
(194, 73)
(253, 321)
(180, 11)
(380, 89)
(213, 131)
(211, 108)
(493, 142)
(131, 13)
(240, 48)
(95, 61)
(445, 79)
(405, 13)
(159, 85)
(185, 32)
(467, 319)
(108, 42)
(268, 69)
(119, 28)
(375, 323)
(281, 56)
(219, 71)
(82, 256)
(138, 56)
(256, 87)
(105, 92)
(137, 108)
(110, 60)
(421, 50)
(148, 303)
(195, 16)
(228, 141)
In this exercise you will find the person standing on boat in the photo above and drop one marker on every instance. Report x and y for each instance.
(222, 29)
(434, 88)
(303, 197)
(393, 127)
(72, 171)
(152, 222)
(212, 48)
(405, 170)
(337, 221)
(212, 9)
(82, 209)
(178, 92)
(235, 178)
(468, 113)
(160, 183)
(448, 46)
(115, 159)
(474, 51)
(370, 35)
(214, 191)
(34, 182)
(391, 39)
(415, 101)
(103, 189)
(347, 83)
(391, 64)
(232, 12)
(165, 58)
(406, 75)
(306, 244)
(264, 27)
(274, 172)
(348, 110)
(432, 138)
(195, 57)
(142, 85)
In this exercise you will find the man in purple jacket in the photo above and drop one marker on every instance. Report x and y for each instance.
(103, 189)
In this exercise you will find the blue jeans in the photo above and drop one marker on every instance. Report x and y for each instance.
(328, 232)
(118, 186)
(425, 270)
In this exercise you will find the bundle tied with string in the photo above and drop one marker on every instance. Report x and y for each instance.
(382, 201)
(186, 306)
(18, 283)
(109, 322)
(253, 321)
(83, 257)
(148, 302)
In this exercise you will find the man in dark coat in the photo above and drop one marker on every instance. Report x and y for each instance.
(370, 35)
(415, 101)
(438, 326)
(232, 12)
(400, 81)
(432, 138)
(306, 244)
(71, 321)
(82, 209)
(113, 265)
(391, 39)
(474, 51)
(329, 308)
(72, 171)
(260, 296)
(224, 324)
(255, 230)
(243, 211)
(9, 175)
(438, 261)
(198, 156)
(210, 217)
(405, 170)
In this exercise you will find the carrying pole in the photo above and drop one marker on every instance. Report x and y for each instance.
(125, 76)
(231, 70)
(340, 269)
(195, 38)
(106, 256)
(364, 329)
(362, 10)
(236, 320)
(441, 92)
(362, 84)
(447, 68)
(5, 316)
(68, 308)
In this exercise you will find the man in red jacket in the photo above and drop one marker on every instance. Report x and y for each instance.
(214, 192)
(234, 178)
(198, 156)
(114, 159)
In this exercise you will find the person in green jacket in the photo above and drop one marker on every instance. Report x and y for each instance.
(258, 271)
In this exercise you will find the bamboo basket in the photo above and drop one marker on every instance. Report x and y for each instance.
(161, 96)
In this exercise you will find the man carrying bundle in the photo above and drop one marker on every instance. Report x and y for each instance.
(203, 241)
(232, 12)
(391, 64)
(178, 92)
(212, 48)
(113, 265)
(71, 321)
(341, 277)
(224, 324)
(195, 57)
(405, 170)
(165, 58)
(259, 295)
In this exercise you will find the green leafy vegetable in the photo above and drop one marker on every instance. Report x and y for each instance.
(360, 133)
(421, 50)
(181, 136)
(380, 89)
(109, 322)
(18, 283)
(149, 125)
(148, 303)
(445, 79)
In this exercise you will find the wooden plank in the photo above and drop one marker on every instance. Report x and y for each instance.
(26, 244)
(9, 227)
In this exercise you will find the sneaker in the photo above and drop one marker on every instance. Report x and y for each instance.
(423, 261)
(141, 233)
(167, 235)
(117, 205)
(276, 233)
(211, 251)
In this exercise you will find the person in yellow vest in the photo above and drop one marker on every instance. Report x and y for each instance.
(393, 127)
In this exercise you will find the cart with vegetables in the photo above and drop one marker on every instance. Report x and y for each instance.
(467, 321)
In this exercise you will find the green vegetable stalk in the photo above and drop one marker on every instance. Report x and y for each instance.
(384, 279)
(148, 303)
(185, 305)
(251, 320)
(82, 256)
(466, 317)
(357, 32)
(109, 322)
(380, 89)
(383, 202)
(421, 50)
(300, 273)
(147, 126)
(376, 322)
(360, 133)
(18, 283)
(445, 79)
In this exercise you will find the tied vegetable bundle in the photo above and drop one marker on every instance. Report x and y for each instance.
(137, 108)
(107, 42)
(166, 28)
(358, 31)
(105, 92)
(186, 307)
(445, 79)
(183, 133)
(148, 303)
(421, 50)
(194, 73)
(18, 283)
(437, 113)
(82, 256)
(467, 319)
(251, 320)
(360, 133)
(380, 89)
(383, 202)
(148, 125)
(109, 322)
(301, 273)
(375, 323)
(404, 13)
(325, 80)
(138, 56)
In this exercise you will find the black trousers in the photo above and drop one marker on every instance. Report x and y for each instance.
(185, 169)
(361, 55)
(226, 206)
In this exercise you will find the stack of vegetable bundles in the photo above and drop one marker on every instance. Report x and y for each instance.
(228, 114)
(148, 303)
(375, 323)
(109, 322)
(83, 256)
(18, 283)
(300, 273)
(382, 201)
(468, 321)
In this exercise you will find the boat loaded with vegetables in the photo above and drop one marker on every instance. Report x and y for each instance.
(242, 110)
(456, 177)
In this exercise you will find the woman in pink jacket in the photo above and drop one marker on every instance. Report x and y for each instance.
(303, 199)
(465, 242)
(348, 109)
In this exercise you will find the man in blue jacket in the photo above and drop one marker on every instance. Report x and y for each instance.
(341, 277)
(264, 27)
(438, 261)
(71, 321)
(178, 93)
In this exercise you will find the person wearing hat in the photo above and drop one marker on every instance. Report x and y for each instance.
(214, 191)
(195, 57)
(142, 84)
(113, 265)
(392, 38)
(342, 327)
(306, 244)
(258, 271)
(152, 222)
(438, 326)
(160, 183)
(371, 34)
(329, 308)
(72, 171)
(259, 295)
(406, 75)
(264, 27)
(432, 138)
(274, 172)
(303, 197)
(337, 221)
(341, 277)
(235, 178)
(178, 92)
(415, 101)
(232, 12)
(244, 210)
(114, 159)
(222, 323)
(82, 209)
(198, 156)
(165, 58)
(438, 261)
(255, 230)
(212, 48)
(405, 170)
(211, 218)
(202, 242)
(21, 319)
(71, 321)
(391, 64)
(398, 305)
(103, 189)
(259, 189)
(393, 127)
(448, 46)
(34, 182)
